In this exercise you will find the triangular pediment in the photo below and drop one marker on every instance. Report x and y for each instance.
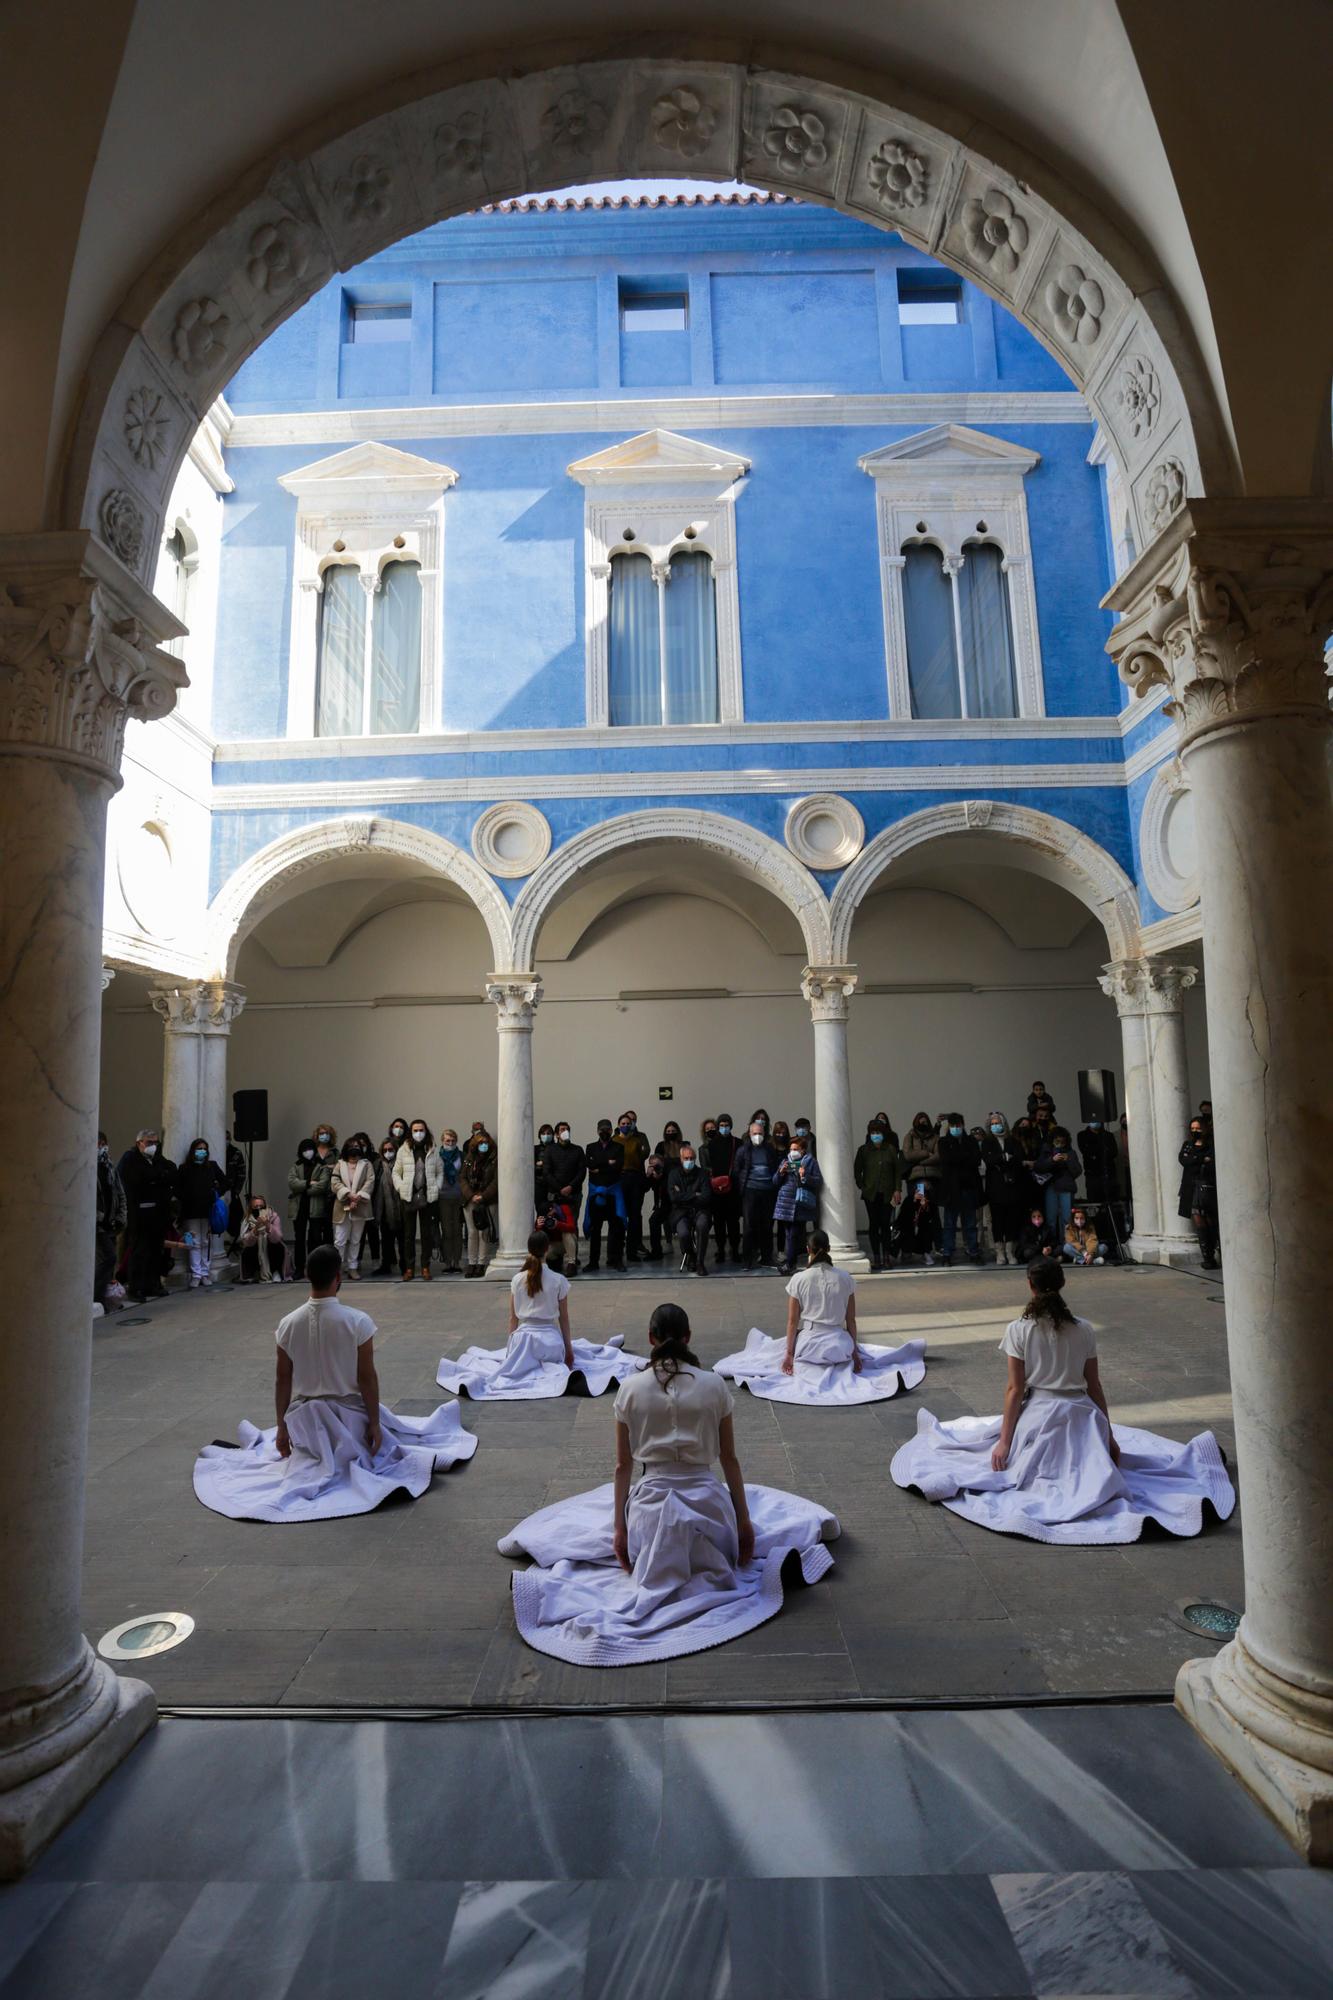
(659, 456)
(950, 448)
(378, 467)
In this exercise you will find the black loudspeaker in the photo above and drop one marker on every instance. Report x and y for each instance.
(249, 1117)
(1096, 1095)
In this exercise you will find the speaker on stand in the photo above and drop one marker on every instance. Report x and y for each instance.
(249, 1125)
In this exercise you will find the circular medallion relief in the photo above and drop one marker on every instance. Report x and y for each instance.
(511, 840)
(825, 831)
(146, 871)
(1168, 843)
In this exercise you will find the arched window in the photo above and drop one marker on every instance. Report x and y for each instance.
(663, 641)
(341, 674)
(395, 666)
(932, 639)
(987, 633)
(175, 577)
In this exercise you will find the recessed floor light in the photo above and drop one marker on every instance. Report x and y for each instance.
(138, 1638)
(1206, 1618)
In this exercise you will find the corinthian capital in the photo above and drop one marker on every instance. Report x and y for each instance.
(1146, 985)
(198, 1006)
(515, 997)
(1229, 610)
(828, 988)
(79, 651)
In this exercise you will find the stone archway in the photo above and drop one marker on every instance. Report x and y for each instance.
(448, 143)
(752, 853)
(1071, 857)
(276, 872)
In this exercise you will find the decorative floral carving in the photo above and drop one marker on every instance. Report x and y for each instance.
(358, 830)
(280, 255)
(1140, 396)
(796, 141)
(1165, 493)
(463, 146)
(994, 231)
(683, 123)
(573, 124)
(121, 520)
(977, 812)
(1146, 985)
(199, 337)
(900, 177)
(146, 426)
(1076, 302)
(364, 190)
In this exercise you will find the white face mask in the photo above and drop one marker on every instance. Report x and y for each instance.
(794, 1155)
(563, 1135)
(418, 1136)
(757, 1137)
(149, 1151)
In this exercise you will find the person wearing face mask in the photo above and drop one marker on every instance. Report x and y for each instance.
(417, 1179)
(309, 1199)
(263, 1252)
(663, 1158)
(797, 1205)
(691, 1200)
(480, 1180)
(634, 1182)
(449, 1211)
(757, 1184)
(877, 1171)
(237, 1174)
(199, 1183)
(718, 1152)
(326, 1152)
(149, 1180)
(1101, 1173)
(779, 1137)
(802, 1129)
(1036, 1238)
(371, 1245)
(1005, 1185)
(545, 1137)
(916, 1222)
(1082, 1244)
(564, 1168)
(921, 1151)
(605, 1208)
(386, 1210)
(1198, 1188)
(111, 1214)
(1056, 1170)
(353, 1192)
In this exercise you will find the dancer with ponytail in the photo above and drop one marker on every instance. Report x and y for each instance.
(1050, 1467)
(667, 1558)
(542, 1358)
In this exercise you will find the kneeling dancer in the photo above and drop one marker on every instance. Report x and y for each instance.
(541, 1358)
(668, 1559)
(336, 1449)
(822, 1361)
(1050, 1467)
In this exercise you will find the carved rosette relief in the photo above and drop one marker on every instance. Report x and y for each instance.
(995, 232)
(683, 122)
(1146, 985)
(1139, 395)
(364, 192)
(1076, 303)
(463, 147)
(572, 126)
(515, 1000)
(829, 989)
(1165, 493)
(198, 1006)
(120, 519)
(146, 424)
(280, 255)
(899, 176)
(795, 140)
(199, 337)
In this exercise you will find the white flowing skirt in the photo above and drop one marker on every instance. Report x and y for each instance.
(1061, 1483)
(533, 1365)
(823, 1372)
(686, 1592)
(330, 1472)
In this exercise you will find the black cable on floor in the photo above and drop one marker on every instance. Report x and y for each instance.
(546, 1711)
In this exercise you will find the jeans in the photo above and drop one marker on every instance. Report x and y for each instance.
(1071, 1254)
(1058, 1207)
(964, 1210)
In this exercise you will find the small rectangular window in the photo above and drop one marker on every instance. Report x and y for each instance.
(927, 298)
(378, 323)
(659, 311)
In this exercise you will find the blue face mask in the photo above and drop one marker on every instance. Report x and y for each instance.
(1094, 1124)
(482, 1146)
(877, 1138)
(803, 1130)
(997, 1130)
(725, 1130)
(956, 1131)
(201, 1152)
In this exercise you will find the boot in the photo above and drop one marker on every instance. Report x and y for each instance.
(408, 1275)
(426, 1272)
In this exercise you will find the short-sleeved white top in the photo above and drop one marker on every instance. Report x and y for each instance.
(321, 1339)
(1052, 1356)
(543, 1305)
(678, 1424)
(822, 1292)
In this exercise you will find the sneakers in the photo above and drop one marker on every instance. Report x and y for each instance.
(1099, 1260)
(426, 1273)
(929, 1258)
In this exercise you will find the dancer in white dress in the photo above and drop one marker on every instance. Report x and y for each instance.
(821, 1361)
(1050, 1467)
(541, 1358)
(336, 1449)
(668, 1559)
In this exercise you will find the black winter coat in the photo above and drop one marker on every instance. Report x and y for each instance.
(960, 1169)
(148, 1184)
(198, 1183)
(688, 1191)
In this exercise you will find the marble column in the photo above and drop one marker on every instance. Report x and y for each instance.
(515, 997)
(79, 653)
(1149, 999)
(1229, 610)
(829, 988)
(197, 1015)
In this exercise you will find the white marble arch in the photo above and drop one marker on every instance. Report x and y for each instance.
(525, 121)
(1058, 851)
(277, 872)
(755, 856)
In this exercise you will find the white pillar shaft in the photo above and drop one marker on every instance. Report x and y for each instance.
(516, 1000)
(1169, 1083)
(1147, 1192)
(197, 1016)
(1148, 994)
(829, 989)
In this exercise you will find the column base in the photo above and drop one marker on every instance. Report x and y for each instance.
(848, 1257)
(504, 1267)
(1177, 1252)
(33, 1812)
(1220, 1698)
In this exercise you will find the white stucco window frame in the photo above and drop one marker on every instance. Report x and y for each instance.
(951, 487)
(366, 507)
(660, 495)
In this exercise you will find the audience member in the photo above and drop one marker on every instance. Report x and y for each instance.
(262, 1251)
(1006, 1190)
(877, 1171)
(719, 1155)
(149, 1180)
(309, 1198)
(418, 1178)
(756, 1178)
(1056, 1171)
(916, 1229)
(353, 1185)
(634, 1182)
(1101, 1162)
(480, 1179)
(691, 1209)
(111, 1214)
(565, 1167)
(796, 1207)
(326, 1152)
(921, 1151)
(605, 1161)
(388, 1212)
(200, 1182)
(1082, 1244)
(1036, 1239)
(960, 1186)
(1198, 1188)
(664, 1156)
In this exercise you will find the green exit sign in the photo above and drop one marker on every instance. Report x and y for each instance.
(664, 1093)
